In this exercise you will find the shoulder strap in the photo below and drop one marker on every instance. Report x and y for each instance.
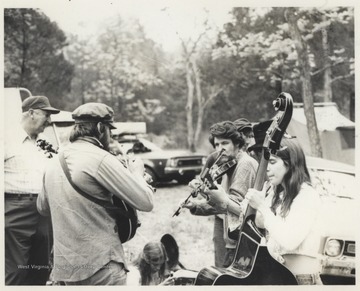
(100, 202)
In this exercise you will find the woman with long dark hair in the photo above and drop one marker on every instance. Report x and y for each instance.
(288, 209)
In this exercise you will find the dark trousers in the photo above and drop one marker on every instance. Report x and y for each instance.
(28, 242)
(219, 243)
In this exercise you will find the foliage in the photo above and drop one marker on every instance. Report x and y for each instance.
(119, 68)
(259, 41)
(251, 60)
(33, 54)
(280, 53)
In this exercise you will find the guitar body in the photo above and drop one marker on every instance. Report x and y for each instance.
(128, 224)
(252, 265)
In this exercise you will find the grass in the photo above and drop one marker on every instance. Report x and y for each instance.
(192, 233)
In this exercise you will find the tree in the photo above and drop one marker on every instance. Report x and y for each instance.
(80, 53)
(33, 53)
(284, 51)
(307, 92)
(331, 41)
(200, 93)
(115, 71)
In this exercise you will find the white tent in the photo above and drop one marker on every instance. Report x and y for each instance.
(337, 133)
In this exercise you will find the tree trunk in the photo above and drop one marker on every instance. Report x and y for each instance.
(189, 107)
(24, 51)
(301, 48)
(327, 72)
(200, 100)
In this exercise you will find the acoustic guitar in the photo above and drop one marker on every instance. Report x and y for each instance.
(253, 264)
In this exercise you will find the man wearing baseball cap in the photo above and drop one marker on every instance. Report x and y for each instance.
(26, 232)
(87, 248)
(246, 130)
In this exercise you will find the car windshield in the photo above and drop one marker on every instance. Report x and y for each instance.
(151, 146)
(138, 145)
(333, 184)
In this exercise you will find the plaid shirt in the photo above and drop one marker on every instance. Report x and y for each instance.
(24, 164)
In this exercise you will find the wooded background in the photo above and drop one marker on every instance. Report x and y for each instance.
(308, 52)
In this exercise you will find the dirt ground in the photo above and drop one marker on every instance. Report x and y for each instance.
(192, 233)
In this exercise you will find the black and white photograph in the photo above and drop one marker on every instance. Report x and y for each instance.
(179, 143)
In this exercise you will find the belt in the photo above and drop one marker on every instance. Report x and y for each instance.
(20, 196)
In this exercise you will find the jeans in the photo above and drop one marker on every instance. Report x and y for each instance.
(112, 273)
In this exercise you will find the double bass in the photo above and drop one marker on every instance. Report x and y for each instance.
(252, 263)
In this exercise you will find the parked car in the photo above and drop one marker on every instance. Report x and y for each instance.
(163, 165)
(337, 186)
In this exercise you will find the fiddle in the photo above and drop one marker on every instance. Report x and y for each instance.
(125, 158)
(209, 176)
(46, 147)
(217, 172)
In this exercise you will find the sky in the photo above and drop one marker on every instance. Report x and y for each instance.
(164, 21)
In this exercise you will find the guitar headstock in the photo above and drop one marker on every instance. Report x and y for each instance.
(284, 107)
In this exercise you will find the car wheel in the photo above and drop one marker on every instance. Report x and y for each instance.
(153, 176)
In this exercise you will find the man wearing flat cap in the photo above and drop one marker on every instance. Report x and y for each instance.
(26, 232)
(87, 248)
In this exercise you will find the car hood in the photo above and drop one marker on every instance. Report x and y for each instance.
(167, 154)
(337, 217)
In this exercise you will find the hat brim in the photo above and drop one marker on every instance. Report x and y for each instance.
(51, 109)
(244, 127)
(111, 125)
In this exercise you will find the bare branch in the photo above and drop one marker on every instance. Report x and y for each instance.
(341, 77)
(213, 94)
(328, 66)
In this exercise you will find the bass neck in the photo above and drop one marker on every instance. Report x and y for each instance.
(259, 182)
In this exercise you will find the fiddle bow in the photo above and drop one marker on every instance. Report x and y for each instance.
(208, 177)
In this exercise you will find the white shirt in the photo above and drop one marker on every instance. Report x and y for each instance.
(24, 164)
(298, 232)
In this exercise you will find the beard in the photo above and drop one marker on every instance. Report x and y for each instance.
(225, 159)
